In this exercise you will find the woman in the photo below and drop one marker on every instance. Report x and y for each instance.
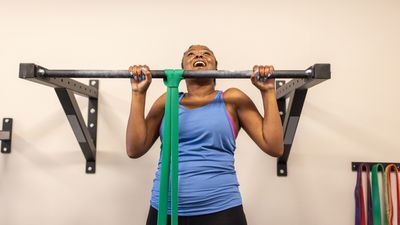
(209, 121)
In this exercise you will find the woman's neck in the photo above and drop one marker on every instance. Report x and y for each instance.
(195, 90)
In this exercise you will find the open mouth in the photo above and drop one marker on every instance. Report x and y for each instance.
(199, 63)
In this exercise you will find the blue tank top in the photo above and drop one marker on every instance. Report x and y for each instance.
(207, 181)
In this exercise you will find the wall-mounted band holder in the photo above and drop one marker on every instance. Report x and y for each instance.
(355, 165)
(6, 135)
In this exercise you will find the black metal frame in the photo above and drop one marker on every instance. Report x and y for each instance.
(86, 135)
(355, 165)
(294, 91)
(6, 135)
(65, 89)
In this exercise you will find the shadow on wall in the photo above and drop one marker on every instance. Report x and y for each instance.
(115, 121)
(111, 153)
(56, 160)
(348, 129)
(43, 160)
(50, 123)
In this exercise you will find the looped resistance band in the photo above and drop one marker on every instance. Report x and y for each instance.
(389, 201)
(376, 199)
(374, 212)
(169, 163)
(359, 198)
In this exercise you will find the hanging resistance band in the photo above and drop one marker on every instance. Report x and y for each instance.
(169, 163)
(369, 200)
(359, 198)
(389, 201)
(376, 199)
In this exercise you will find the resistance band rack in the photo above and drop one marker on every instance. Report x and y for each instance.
(355, 165)
(290, 97)
(6, 135)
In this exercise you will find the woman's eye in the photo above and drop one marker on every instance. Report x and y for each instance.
(190, 54)
(207, 53)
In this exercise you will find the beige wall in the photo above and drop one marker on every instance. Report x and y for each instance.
(354, 116)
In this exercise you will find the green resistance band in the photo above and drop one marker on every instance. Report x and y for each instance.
(376, 200)
(169, 163)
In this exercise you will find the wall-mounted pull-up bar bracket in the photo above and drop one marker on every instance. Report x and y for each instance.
(65, 89)
(293, 91)
(6, 135)
(29, 71)
(355, 165)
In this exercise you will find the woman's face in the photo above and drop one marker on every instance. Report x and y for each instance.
(199, 57)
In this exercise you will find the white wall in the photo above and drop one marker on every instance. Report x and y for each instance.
(352, 117)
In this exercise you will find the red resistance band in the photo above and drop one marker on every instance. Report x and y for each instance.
(389, 209)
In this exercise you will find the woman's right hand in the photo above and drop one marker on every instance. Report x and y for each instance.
(141, 78)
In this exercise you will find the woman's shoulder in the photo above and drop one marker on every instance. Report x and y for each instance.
(159, 103)
(235, 96)
(232, 93)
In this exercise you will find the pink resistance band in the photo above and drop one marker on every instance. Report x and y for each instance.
(230, 119)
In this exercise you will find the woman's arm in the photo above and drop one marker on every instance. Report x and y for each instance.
(266, 131)
(141, 133)
(272, 125)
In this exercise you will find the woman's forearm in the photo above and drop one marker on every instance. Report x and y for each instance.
(272, 125)
(136, 129)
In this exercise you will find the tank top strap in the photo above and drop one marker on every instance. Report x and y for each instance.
(220, 96)
(180, 96)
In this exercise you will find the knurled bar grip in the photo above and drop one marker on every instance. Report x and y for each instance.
(31, 70)
(221, 74)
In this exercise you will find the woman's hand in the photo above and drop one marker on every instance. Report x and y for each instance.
(260, 77)
(141, 78)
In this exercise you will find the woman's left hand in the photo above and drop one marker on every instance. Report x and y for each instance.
(260, 80)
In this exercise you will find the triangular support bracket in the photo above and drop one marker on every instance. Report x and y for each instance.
(65, 89)
(291, 97)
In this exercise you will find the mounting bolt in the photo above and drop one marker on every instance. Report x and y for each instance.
(6, 120)
(280, 113)
(281, 171)
(91, 125)
(280, 83)
(89, 168)
(92, 110)
(41, 71)
(93, 82)
(4, 149)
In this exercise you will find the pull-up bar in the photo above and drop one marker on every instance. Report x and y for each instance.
(312, 72)
(294, 90)
(221, 74)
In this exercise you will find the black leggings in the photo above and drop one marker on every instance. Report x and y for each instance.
(232, 216)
